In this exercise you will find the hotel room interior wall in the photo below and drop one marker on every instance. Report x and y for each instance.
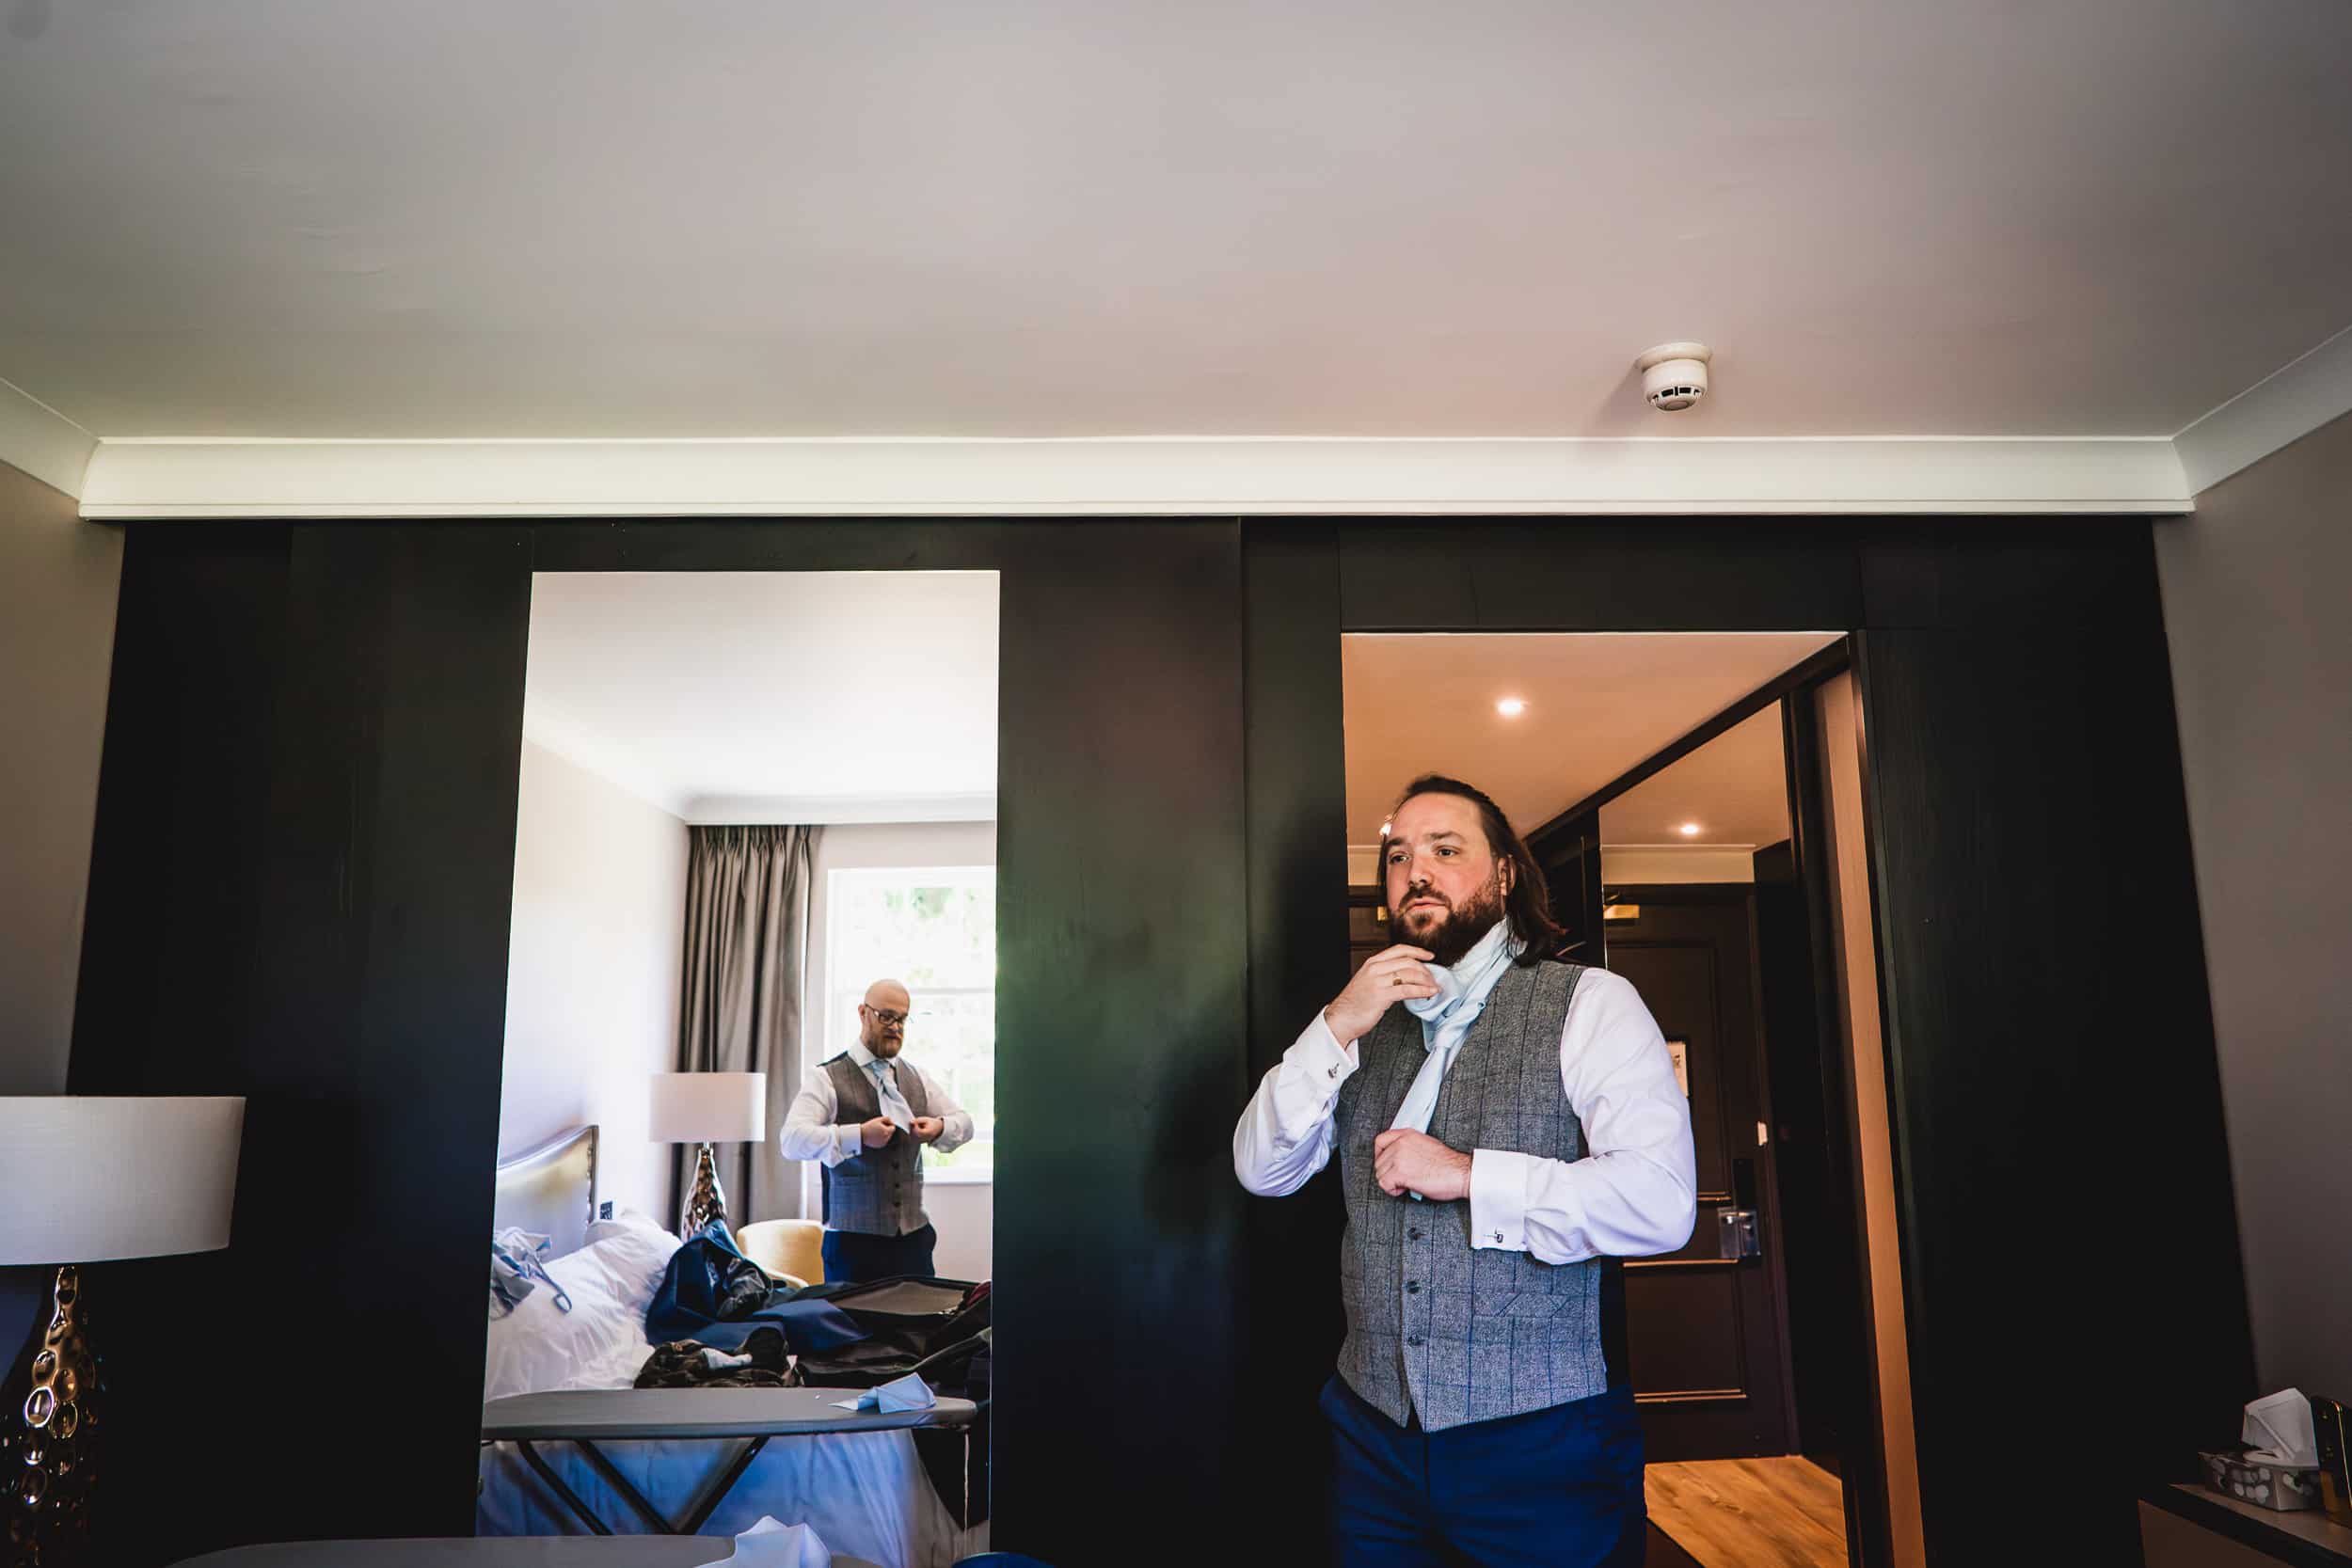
(592, 970)
(963, 1211)
(59, 578)
(2255, 586)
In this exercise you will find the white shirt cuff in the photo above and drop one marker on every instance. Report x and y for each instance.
(1327, 1060)
(1498, 1199)
(846, 1141)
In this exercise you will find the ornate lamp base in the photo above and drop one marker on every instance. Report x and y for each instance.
(705, 1202)
(49, 1411)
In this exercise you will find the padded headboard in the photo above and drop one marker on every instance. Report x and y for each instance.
(551, 1189)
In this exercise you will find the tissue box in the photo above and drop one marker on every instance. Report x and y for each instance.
(2275, 1486)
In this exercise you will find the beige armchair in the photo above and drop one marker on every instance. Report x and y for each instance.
(792, 1251)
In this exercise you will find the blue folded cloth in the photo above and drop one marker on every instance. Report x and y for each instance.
(714, 1295)
(515, 1266)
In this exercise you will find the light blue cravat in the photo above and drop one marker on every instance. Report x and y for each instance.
(894, 1104)
(1446, 1019)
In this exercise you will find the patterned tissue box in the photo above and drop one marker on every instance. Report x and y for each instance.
(2275, 1486)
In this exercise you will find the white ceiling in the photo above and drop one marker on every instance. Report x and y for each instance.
(1734, 788)
(772, 696)
(1597, 704)
(284, 218)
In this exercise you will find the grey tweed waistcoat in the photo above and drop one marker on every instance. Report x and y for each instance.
(880, 1192)
(1435, 1326)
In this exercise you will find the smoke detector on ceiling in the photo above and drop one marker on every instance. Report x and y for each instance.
(1674, 375)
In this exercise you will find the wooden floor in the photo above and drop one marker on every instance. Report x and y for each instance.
(1751, 1512)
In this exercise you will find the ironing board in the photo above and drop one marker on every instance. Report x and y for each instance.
(585, 1416)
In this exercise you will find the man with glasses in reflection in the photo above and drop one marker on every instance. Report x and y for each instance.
(866, 1116)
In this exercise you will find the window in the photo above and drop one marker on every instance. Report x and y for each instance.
(933, 928)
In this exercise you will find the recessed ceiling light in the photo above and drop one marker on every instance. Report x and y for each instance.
(1511, 707)
(1690, 830)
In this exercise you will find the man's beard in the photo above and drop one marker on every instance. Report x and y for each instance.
(885, 1046)
(1457, 931)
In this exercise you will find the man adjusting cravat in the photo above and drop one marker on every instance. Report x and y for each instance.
(866, 1116)
(1481, 1415)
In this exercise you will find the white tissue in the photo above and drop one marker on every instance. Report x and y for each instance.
(771, 1544)
(2280, 1427)
(907, 1393)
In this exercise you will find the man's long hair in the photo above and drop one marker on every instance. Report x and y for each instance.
(1528, 905)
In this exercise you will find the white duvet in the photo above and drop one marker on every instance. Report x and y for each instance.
(865, 1493)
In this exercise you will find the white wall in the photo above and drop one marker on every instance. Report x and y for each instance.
(592, 970)
(2255, 590)
(963, 1212)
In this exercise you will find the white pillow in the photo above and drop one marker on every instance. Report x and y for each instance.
(629, 1254)
(600, 1343)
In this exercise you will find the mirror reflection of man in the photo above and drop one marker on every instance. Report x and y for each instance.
(866, 1116)
(1503, 1136)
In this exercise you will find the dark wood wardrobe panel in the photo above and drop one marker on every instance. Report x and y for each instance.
(1289, 1309)
(2069, 1226)
(1600, 574)
(321, 1375)
(301, 883)
(1122, 950)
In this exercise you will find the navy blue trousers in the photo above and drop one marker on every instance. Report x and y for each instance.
(855, 1257)
(1559, 1488)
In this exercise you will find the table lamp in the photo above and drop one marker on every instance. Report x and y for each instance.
(707, 1108)
(85, 1180)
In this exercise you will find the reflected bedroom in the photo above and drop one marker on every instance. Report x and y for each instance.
(747, 1120)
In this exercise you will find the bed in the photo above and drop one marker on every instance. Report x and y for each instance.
(865, 1493)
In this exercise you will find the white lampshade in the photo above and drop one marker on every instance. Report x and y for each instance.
(86, 1178)
(709, 1107)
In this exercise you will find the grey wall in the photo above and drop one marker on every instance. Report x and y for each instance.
(57, 582)
(2258, 611)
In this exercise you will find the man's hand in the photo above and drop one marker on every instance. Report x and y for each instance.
(877, 1132)
(1388, 977)
(928, 1128)
(1404, 1161)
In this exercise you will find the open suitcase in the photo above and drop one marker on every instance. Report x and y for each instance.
(938, 1328)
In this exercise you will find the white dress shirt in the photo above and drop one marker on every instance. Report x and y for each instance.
(1632, 1196)
(809, 1132)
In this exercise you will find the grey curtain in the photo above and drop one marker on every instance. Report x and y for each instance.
(747, 891)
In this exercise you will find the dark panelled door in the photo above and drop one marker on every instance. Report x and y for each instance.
(1703, 1331)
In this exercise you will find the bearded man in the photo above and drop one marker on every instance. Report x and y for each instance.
(1508, 1127)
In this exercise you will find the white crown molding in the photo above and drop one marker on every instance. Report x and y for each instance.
(1163, 476)
(2281, 408)
(798, 810)
(44, 442)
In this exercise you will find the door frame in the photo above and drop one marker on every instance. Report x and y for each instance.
(1862, 1448)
